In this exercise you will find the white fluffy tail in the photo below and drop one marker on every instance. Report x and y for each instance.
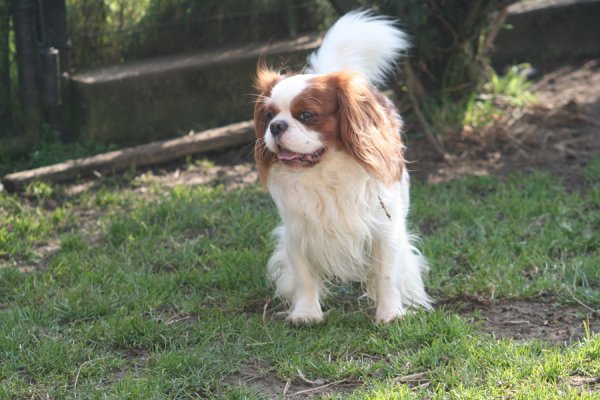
(360, 41)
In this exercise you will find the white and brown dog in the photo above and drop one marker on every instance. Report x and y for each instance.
(330, 151)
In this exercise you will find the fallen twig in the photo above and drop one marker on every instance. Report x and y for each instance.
(594, 311)
(319, 387)
(416, 377)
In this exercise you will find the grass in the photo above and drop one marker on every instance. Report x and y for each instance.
(163, 296)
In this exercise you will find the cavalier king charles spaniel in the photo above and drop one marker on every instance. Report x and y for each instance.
(329, 149)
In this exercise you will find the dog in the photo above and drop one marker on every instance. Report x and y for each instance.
(330, 151)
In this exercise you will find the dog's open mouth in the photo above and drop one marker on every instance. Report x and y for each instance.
(301, 160)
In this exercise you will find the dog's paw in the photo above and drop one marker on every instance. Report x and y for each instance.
(305, 318)
(387, 316)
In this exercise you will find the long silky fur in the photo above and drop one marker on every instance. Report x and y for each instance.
(338, 212)
(336, 224)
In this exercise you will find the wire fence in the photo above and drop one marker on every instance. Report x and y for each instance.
(100, 36)
(194, 20)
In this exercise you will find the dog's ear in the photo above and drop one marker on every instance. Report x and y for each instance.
(265, 80)
(369, 127)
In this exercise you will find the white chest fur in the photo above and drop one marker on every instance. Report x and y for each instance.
(331, 213)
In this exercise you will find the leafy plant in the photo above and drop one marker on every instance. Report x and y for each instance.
(497, 93)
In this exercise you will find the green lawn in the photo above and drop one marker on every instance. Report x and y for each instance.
(163, 295)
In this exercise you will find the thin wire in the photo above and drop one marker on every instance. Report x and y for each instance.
(186, 22)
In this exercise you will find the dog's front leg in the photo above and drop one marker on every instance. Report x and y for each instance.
(306, 307)
(388, 296)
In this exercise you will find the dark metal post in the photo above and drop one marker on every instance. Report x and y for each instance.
(54, 17)
(54, 60)
(50, 78)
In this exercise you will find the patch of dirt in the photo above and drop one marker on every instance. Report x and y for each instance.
(252, 376)
(42, 252)
(559, 135)
(136, 362)
(539, 318)
(233, 169)
(230, 176)
(585, 383)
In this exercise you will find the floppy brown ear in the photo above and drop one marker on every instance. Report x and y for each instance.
(265, 80)
(369, 129)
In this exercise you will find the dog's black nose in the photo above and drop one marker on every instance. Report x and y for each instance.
(278, 127)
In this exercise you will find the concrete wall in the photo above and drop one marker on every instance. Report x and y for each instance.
(168, 96)
(549, 30)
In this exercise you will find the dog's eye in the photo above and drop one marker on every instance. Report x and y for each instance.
(269, 115)
(306, 116)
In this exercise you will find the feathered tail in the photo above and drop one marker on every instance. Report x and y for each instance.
(360, 41)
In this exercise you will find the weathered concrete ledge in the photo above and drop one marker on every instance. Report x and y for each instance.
(549, 30)
(157, 98)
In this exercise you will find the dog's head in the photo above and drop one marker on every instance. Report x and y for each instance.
(300, 118)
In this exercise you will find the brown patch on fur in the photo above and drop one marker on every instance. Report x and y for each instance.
(266, 79)
(320, 98)
(368, 128)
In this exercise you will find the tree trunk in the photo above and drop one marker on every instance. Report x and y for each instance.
(23, 20)
(5, 87)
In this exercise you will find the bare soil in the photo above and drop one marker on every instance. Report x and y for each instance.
(559, 135)
(268, 384)
(544, 319)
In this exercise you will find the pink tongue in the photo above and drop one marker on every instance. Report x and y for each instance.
(288, 155)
